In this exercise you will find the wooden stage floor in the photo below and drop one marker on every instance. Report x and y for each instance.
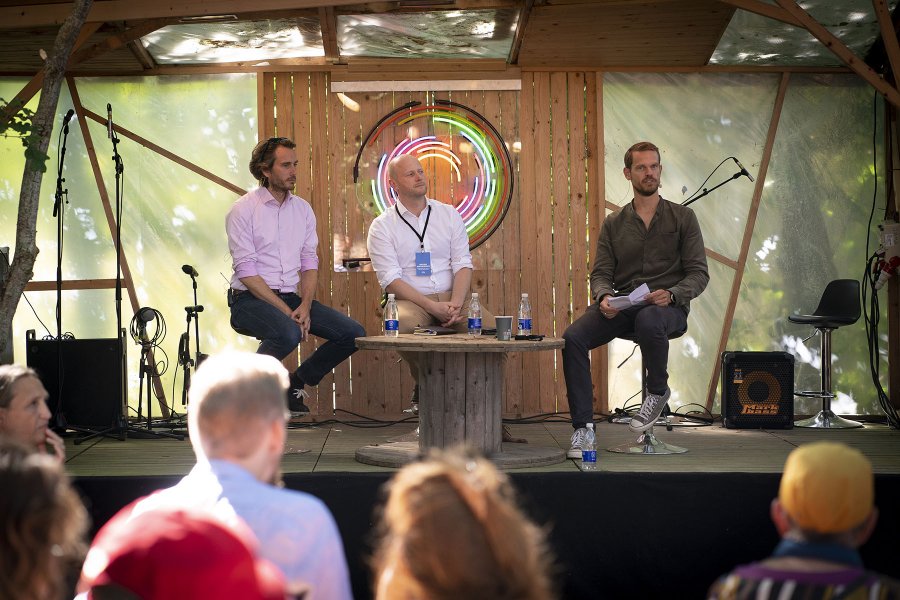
(329, 448)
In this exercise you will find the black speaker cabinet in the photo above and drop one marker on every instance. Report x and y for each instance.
(93, 372)
(758, 390)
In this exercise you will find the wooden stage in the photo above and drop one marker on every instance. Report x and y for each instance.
(687, 518)
(330, 449)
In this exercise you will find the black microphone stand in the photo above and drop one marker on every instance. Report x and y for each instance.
(120, 170)
(690, 201)
(184, 348)
(59, 212)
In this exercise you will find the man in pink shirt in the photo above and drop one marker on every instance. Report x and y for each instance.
(272, 239)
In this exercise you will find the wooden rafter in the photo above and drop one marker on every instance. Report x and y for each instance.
(888, 36)
(839, 49)
(521, 26)
(328, 23)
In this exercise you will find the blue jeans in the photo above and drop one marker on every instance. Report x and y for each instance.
(651, 326)
(279, 334)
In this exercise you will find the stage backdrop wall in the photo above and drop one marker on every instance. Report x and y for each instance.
(811, 141)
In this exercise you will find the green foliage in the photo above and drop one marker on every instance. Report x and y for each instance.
(22, 126)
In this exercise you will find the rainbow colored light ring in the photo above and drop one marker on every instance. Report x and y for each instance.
(487, 201)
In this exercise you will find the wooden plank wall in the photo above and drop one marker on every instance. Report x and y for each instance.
(541, 248)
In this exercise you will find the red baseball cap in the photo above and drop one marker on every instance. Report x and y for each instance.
(164, 554)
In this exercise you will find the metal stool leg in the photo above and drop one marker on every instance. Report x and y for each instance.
(825, 419)
(647, 443)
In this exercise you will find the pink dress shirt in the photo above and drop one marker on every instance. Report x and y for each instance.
(272, 240)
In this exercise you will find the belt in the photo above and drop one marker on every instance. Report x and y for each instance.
(236, 292)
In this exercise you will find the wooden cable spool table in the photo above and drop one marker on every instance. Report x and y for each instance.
(461, 387)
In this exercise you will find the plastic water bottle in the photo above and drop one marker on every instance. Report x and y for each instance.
(391, 317)
(525, 316)
(589, 449)
(474, 315)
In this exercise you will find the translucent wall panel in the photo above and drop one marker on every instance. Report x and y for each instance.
(812, 228)
(251, 41)
(440, 34)
(697, 121)
(171, 216)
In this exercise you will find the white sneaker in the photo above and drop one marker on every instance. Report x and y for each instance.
(650, 410)
(577, 440)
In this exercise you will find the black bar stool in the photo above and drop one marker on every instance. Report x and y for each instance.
(838, 306)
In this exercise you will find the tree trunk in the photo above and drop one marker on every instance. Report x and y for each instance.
(22, 268)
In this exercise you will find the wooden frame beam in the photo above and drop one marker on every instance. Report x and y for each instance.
(521, 26)
(328, 23)
(888, 36)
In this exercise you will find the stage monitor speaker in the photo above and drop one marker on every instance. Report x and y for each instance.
(93, 371)
(758, 390)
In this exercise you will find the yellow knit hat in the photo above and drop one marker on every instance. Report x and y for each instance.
(827, 487)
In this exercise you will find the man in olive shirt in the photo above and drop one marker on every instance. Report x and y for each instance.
(652, 241)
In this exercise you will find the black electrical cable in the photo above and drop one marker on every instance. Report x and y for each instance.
(872, 309)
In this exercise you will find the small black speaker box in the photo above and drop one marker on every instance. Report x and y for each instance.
(757, 390)
(92, 374)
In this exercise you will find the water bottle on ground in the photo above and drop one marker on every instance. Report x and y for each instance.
(391, 317)
(589, 450)
(474, 315)
(524, 316)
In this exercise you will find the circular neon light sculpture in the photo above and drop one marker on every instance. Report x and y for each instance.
(465, 158)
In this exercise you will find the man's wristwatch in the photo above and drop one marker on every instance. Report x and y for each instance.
(671, 297)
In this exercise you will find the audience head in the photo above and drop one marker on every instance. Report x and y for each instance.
(163, 554)
(263, 156)
(238, 410)
(43, 524)
(24, 415)
(451, 529)
(826, 494)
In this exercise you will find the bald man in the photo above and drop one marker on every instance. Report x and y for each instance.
(420, 251)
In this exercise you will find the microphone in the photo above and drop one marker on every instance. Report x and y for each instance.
(743, 170)
(189, 270)
(68, 117)
(145, 315)
(109, 123)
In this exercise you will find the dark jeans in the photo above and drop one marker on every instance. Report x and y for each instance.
(279, 335)
(651, 326)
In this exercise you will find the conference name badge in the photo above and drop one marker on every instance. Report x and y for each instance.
(423, 263)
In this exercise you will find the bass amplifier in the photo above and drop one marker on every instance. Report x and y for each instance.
(757, 390)
(93, 372)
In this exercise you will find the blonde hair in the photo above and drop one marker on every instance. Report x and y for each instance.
(42, 524)
(233, 397)
(451, 528)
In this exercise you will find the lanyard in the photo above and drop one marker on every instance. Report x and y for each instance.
(424, 229)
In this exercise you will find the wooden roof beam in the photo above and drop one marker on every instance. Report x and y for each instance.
(521, 25)
(888, 36)
(833, 43)
(328, 24)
